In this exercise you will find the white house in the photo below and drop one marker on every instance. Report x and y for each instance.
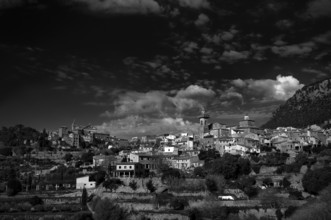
(237, 149)
(84, 181)
(226, 197)
(171, 149)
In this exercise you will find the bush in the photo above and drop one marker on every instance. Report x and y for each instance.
(64, 208)
(35, 200)
(4, 207)
(289, 211)
(106, 209)
(39, 208)
(13, 187)
(314, 181)
(194, 214)
(183, 185)
(163, 198)
(82, 216)
(48, 208)
(178, 204)
(25, 206)
(75, 208)
(215, 183)
(171, 173)
(150, 186)
(112, 184)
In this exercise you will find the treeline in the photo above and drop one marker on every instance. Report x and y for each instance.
(18, 135)
(301, 114)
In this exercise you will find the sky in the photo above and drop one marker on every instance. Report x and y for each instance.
(138, 67)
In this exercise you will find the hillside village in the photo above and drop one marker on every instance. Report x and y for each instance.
(221, 172)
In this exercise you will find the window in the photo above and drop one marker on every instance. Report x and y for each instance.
(124, 167)
(119, 167)
(130, 167)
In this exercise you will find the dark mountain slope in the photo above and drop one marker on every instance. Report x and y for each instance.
(309, 105)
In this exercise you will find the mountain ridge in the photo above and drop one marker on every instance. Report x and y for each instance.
(309, 105)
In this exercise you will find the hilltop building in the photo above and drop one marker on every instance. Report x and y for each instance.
(203, 128)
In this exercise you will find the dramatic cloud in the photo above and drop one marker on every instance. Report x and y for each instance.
(316, 73)
(262, 90)
(324, 38)
(202, 20)
(122, 6)
(233, 56)
(194, 3)
(137, 125)
(319, 8)
(195, 92)
(160, 103)
(294, 50)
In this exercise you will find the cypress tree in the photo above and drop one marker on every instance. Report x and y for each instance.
(84, 199)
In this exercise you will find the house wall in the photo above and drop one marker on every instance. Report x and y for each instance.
(84, 182)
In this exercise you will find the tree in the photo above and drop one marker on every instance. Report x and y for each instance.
(289, 211)
(215, 183)
(99, 177)
(82, 216)
(246, 184)
(106, 209)
(268, 182)
(112, 184)
(171, 173)
(279, 214)
(317, 209)
(35, 200)
(178, 203)
(13, 187)
(133, 185)
(286, 183)
(230, 166)
(199, 172)
(87, 157)
(315, 180)
(84, 199)
(68, 157)
(150, 186)
(211, 185)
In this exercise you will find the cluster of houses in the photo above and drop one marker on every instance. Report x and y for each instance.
(181, 151)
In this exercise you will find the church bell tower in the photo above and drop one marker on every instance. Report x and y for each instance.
(203, 118)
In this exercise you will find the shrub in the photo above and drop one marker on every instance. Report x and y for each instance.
(215, 183)
(5, 207)
(178, 203)
(75, 208)
(84, 199)
(35, 200)
(48, 208)
(183, 185)
(112, 184)
(39, 208)
(13, 187)
(163, 198)
(82, 216)
(64, 208)
(133, 185)
(25, 206)
(150, 186)
(194, 214)
(106, 209)
(289, 211)
(314, 181)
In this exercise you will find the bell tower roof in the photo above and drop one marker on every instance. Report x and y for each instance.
(204, 115)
